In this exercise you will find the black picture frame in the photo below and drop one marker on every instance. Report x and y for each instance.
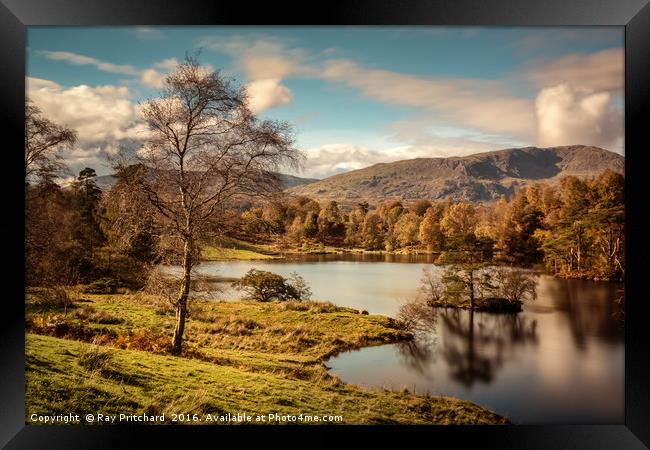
(634, 15)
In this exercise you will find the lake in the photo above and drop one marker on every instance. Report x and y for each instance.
(559, 361)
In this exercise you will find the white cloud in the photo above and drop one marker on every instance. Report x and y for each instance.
(265, 62)
(82, 60)
(167, 64)
(152, 78)
(571, 116)
(104, 117)
(265, 94)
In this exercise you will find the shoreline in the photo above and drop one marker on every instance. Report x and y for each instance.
(286, 344)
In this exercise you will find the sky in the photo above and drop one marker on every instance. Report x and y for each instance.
(356, 96)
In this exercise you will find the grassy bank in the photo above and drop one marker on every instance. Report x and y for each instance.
(108, 353)
(229, 254)
(227, 249)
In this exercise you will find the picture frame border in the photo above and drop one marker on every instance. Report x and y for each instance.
(633, 15)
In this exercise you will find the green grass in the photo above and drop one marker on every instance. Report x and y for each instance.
(238, 356)
(140, 382)
(227, 248)
(220, 254)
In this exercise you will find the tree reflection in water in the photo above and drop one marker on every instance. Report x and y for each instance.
(589, 308)
(474, 344)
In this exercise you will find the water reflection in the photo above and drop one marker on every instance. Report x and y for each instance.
(474, 344)
(560, 360)
(477, 344)
(589, 311)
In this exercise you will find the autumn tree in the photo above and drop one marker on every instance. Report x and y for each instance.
(522, 219)
(430, 232)
(407, 228)
(204, 150)
(420, 207)
(354, 224)
(373, 232)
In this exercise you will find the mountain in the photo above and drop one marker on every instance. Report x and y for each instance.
(479, 177)
(105, 182)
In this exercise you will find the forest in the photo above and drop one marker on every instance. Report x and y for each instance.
(575, 228)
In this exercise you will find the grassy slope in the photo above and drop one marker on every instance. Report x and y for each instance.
(241, 357)
(227, 254)
(144, 382)
(227, 248)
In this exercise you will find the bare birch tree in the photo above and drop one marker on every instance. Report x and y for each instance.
(204, 150)
(44, 141)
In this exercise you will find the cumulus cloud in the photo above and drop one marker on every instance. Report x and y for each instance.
(567, 115)
(155, 77)
(265, 94)
(82, 60)
(265, 62)
(104, 117)
(152, 78)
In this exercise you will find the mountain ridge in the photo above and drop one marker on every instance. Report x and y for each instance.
(478, 177)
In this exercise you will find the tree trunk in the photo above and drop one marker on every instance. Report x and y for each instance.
(181, 303)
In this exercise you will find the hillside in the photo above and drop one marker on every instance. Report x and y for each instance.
(479, 177)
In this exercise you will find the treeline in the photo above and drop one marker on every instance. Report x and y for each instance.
(576, 227)
(68, 237)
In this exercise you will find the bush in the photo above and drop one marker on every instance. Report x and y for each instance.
(52, 298)
(103, 286)
(265, 286)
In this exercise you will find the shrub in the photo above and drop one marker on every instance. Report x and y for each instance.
(103, 286)
(265, 286)
(52, 298)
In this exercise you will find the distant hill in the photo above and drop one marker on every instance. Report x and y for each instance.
(105, 182)
(479, 177)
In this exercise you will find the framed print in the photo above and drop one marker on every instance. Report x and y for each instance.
(392, 218)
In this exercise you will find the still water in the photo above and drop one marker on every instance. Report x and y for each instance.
(560, 361)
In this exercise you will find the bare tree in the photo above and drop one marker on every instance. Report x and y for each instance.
(515, 284)
(44, 141)
(431, 287)
(204, 151)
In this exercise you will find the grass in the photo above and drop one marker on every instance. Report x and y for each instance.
(110, 353)
(228, 254)
(141, 382)
(227, 248)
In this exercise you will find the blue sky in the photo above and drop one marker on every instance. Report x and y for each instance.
(356, 95)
